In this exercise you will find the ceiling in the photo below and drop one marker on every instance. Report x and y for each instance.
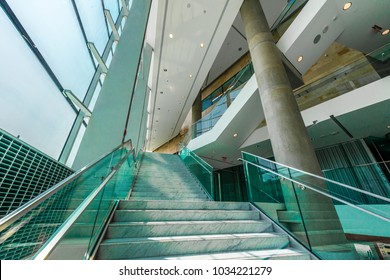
(181, 66)
(188, 37)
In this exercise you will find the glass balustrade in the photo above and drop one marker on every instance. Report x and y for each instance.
(319, 212)
(200, 169)
(81, 239)
(356, 74)
(25, 231)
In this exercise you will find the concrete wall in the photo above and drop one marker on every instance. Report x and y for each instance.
(106, 127)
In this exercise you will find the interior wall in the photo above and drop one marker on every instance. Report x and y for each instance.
(107, 125)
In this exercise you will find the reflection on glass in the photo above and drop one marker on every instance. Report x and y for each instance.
(93, 20)
(26, 91)
(200, 169)
(59, 39)
(317, 212)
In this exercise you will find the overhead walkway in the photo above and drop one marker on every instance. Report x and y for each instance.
(241, 125)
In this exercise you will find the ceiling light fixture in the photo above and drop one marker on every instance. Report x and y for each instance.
(201, 45)
(171, 35)
(190, 75)
(235, 134)
(300, 58)
(347, 6)
(379, 29)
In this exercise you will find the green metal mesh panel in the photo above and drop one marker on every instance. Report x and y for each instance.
(25, 173)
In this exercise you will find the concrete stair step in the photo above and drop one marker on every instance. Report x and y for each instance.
(166, 182)
(130, 248)
(154, 229)
(183, 215)
(279, 254)
(176, 195)
(164, 198)
(182, 205)
(169, 189)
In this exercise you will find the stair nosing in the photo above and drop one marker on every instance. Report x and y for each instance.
(188, 238)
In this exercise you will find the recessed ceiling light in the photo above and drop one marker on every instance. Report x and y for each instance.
(388, 126)
(201, 45)
(190, 75)
(385, 32)
(300, 58)
(347, 6)
(235, 134)
(171, 35)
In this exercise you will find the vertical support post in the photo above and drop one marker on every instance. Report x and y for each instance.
(112, 25)
(290, 140)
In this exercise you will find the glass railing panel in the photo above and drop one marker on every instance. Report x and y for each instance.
(331, 227)
(82, 236)
(373, 178)
(228, 87)
(286, 17)
(356, 74)
(268, 191)
(208, 122)
(354, 194)
(26, 235)
(200, 169)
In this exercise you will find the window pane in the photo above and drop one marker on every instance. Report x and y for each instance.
(31, 105)
(112, 5)
(54, 28)
(92, 17)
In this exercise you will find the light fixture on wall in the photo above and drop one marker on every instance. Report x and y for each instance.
(347, 6)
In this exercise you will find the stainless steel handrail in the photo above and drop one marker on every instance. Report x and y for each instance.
(318, 191)
(60, 233)
(322, 178)
(15, 215)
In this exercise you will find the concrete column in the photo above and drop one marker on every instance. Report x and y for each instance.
(290, 141)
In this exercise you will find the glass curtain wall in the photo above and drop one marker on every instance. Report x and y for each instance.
(34, 106)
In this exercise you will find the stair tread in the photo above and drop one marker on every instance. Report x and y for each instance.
(116, 224)
(181, 210)
(244, 255)
(183, 238)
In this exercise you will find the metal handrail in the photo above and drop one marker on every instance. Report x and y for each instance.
(202, 162)
(359, 165)
(322, 178)
(60, 233)
(318, 191)
(15, 215)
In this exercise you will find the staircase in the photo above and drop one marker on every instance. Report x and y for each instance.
(169, 216)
